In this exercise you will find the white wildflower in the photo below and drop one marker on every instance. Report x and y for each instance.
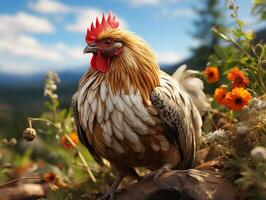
(216, 136)
(259, 153)
(257, 104)
(50, 85)
(12, 141)
(54, 96)
(53, 86)
(53, 76)
(242, 128)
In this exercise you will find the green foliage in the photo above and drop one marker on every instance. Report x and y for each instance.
(63, 195)
(6, 155)
(239, 50)
(259, 8)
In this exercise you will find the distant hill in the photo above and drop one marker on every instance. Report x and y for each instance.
(67, 77)
(13, 79)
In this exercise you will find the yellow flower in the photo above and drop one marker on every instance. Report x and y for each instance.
(212, 74)
(238, 77)
(237, 98)
(65, 142)
(250, 35)
(220, 94)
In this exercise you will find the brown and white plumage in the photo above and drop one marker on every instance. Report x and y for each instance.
(135, 115)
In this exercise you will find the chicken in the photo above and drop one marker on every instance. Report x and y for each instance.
(131, 113)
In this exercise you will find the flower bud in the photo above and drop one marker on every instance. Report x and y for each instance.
(12, 142)
(4, 141)
(29, 134)
(53, 87)
(263, 64)
(54, 96)
(259, 49)
(231, 6)
(259, 153)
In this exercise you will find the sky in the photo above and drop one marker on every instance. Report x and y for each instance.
(41, 35)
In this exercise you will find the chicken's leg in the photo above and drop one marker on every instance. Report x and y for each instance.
(109, 195)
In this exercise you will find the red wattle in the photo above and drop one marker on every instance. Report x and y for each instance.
(100, 63)
(93, 62)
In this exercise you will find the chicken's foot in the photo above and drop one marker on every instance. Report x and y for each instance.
(109, 195)
(165, 168)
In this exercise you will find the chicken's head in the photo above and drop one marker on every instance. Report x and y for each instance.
(122, 55)
(103, 49)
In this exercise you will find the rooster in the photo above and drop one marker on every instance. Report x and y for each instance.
(131, 113)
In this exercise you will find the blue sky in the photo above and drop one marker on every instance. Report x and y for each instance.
(41, 35)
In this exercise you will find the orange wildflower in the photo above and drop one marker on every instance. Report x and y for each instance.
(212, 74)
(238, 77)
(49, 176)
(219, 94)
(237, 98)
(65, 142)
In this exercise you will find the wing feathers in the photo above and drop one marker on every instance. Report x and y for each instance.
(179, 116)
(81, 133)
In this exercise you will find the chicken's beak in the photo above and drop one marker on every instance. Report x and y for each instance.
(91, 48)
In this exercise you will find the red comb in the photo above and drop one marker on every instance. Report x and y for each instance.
(94, 31)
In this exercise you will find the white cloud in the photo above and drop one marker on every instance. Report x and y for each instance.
(178, 12)
(86, 17)
(83, 15)
(188, 12)
(141, 3)
(83, 19)
(20, 52)
(49, 6)
(167, 57)
(24, 22)
(24, 45)
(24, 54)
(144, 2)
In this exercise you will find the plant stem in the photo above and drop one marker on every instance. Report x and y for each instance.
(22, 179)
(31, 119)
(223, 115)
(81, 158)
(54, 110)
(260, 74)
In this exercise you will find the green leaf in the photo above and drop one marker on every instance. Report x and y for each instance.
(220, 51)
(237, 32)
(240, 23)
(63, 114)
(64, 195)
(48, 105)
(56, 103)
(258, 1)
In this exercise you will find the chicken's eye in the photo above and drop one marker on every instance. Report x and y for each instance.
(108, 42)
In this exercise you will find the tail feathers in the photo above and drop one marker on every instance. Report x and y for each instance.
(194, 87)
